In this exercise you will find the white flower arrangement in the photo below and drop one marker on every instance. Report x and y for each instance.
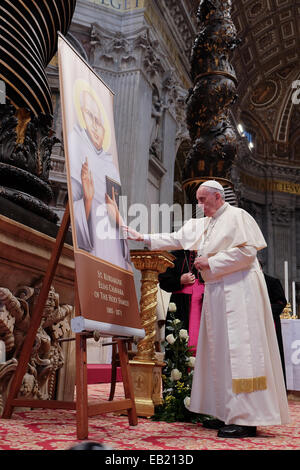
(183, 334)
(191, 361)
(172, 307)
(170, 339)
(175, 375)
(187, 402)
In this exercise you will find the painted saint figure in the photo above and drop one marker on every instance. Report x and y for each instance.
(91, 167)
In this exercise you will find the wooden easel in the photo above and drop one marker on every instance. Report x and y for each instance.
(83, 409)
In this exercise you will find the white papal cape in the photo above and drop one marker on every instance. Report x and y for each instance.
(238, 376)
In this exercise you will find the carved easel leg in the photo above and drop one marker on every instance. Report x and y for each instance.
(81, 378)
(81, 388)
(37, 316)
(127, 382)
(114, 363)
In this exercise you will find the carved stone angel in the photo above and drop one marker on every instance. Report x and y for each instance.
(47, 355)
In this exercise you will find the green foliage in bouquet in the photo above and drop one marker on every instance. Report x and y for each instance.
(177, 376)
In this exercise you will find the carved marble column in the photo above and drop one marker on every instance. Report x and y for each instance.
(145, 368)
(148, 89)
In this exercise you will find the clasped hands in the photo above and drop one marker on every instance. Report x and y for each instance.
(201, 263)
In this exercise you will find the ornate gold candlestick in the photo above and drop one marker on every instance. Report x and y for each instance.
(146, 369)
(287, 313)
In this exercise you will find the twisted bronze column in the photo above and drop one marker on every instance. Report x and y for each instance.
(28, 42)
(214, 91)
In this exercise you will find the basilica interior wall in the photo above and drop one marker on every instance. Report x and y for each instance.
(143, 53)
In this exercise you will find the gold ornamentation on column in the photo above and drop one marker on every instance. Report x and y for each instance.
(287, 313)
(150, 264)
(145, 368)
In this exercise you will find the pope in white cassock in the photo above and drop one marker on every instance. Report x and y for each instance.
(90, 165)
(238, 377)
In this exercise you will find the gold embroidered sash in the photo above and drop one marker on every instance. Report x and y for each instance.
(249, 385)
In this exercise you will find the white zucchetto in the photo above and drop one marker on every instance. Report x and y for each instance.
(212, 184)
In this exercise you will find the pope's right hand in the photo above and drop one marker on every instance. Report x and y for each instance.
(132, 234)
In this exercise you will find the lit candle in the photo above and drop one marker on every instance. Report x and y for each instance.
(286, 280)
(294, 297)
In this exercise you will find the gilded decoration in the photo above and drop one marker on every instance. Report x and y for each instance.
(150, 264)
(249, 385)
(146, 368)
(269, 185)
(47, 356)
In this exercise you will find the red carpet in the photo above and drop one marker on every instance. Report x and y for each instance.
(56, 430)
(101, 373)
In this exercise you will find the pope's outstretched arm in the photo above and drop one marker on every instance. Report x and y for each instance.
(156, 241)
(188, 237)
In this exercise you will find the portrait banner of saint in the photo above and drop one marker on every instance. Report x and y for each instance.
(102, 259)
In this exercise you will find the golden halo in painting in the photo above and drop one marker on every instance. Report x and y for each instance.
(82, 85)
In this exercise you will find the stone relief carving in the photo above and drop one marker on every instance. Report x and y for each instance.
(180, 113)
(143, 51)
(47, 355)
(281, 214)
(140, 51)
(157, 117)
(172, 97)
(120, 53)
(182, 23)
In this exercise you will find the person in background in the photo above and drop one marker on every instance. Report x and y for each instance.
(278, 303)
(163, 302)
(187, 288)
